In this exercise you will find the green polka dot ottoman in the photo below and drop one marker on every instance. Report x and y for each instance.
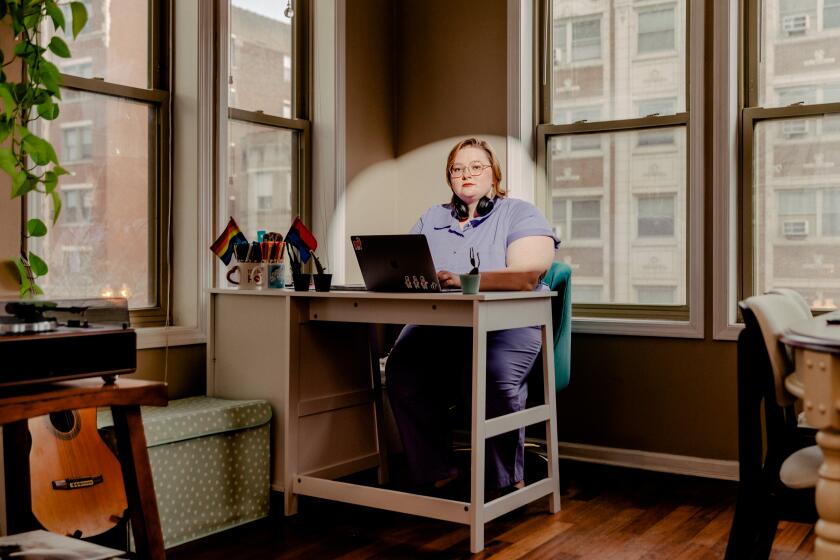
(210, 463)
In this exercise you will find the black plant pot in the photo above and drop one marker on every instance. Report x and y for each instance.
(322, 282)
(301, 282)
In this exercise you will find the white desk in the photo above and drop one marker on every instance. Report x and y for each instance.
(817, 381)
(268, 344)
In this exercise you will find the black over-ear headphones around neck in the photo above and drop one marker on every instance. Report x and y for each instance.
(462, 211)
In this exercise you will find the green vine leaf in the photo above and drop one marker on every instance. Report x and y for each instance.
(36, 228)
(8, 163)
(48, 110)
(5, 129)
(9, 104)
(40, 150)
(25, 284)
(55, 14)
(80, 17)
(59, 47)
(39, 267)
(18, 184)
(50, 181)
(50, 76)
(56, 199)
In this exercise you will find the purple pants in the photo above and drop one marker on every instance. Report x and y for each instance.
(430, 368)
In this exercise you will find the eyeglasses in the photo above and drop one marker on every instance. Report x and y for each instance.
(475, 168)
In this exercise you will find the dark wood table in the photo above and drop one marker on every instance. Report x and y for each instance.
(18, 404)
(817, 381)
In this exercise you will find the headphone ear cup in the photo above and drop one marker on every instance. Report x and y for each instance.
(484, 206)
(461, 210)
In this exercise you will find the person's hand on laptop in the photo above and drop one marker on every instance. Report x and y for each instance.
(447, 279)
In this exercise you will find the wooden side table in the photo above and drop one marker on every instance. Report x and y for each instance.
(17, 404)
(817, 381)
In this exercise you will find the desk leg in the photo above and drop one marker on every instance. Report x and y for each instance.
(16, 446)
(550, 393)
(139, 488)
(479, 394)
(378, 407)
(828, 497)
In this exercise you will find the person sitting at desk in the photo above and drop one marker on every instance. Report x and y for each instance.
(516, 245)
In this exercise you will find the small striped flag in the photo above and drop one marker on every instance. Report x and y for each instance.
(223, 246)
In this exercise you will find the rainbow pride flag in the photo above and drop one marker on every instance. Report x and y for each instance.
(223, 246)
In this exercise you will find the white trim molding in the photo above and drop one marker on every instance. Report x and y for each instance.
(725, 171)
(650, 461)
(192, 180)
(521, 156)
(329, 131)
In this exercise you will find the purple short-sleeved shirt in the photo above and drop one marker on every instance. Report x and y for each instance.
(509, 220)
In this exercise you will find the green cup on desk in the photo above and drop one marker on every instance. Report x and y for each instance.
(470, 283)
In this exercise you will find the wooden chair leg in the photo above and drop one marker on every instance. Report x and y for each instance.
(137, 474)
(16, 445)
(753, 528)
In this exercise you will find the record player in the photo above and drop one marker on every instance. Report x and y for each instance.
(51, 340)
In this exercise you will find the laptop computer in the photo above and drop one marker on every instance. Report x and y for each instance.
(396, 263)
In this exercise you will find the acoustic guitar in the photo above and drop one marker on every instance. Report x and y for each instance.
(76, 481)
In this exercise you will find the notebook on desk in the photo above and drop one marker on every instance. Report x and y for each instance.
(396, 263)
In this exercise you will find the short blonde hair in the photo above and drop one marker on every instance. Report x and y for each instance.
(498, 189)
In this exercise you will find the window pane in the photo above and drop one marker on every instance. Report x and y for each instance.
(795, 201)
(100, 244)
(655, 295)
(114, 45)
(796, 49)
(831, 213)
(260, 57)
(656, 216)
(587, 294)
(259, 194)
(831, 13)
(616, 58)
(586, 219)
(638, 196)
(586, 39)
(656, 30)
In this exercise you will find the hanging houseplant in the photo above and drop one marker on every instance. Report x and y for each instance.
(28, 159)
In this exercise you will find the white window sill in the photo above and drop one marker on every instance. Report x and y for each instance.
(637, 327)
(159, 337)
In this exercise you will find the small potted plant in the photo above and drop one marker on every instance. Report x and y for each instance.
(300, 245)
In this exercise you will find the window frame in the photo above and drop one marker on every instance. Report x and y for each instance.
(751, 115)
(683, 321)
(299, 124)
(157, 97)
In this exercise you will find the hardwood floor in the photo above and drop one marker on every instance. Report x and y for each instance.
(607, 513)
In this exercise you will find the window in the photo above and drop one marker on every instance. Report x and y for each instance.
(587, 294)
(577, 219)
(795, 16)
(76, 204)
(656, 107)
(831, 213)
(113, 138)
(656, 30)
(791, 173)
(77, 142)
(265, 134)
(831, 14)
(655, 295)
(656, 216)
(614, 138)
(586, 40)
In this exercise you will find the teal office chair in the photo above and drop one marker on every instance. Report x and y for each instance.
(559, 279)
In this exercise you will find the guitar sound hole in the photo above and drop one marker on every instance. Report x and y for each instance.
(63, 422)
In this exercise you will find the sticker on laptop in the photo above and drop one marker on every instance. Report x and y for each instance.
(357, 244)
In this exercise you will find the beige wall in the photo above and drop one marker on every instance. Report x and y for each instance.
(653, 394)
(404, 112)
